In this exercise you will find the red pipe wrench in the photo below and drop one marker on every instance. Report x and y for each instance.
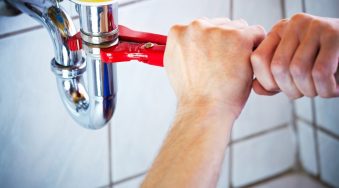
(133, 45)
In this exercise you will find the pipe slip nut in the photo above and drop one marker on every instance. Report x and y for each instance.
(99, 23)
(68, 72)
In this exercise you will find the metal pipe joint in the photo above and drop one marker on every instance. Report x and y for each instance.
(91, 104)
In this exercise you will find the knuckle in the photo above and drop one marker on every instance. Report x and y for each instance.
(278, 68)
(331, 35)
(316, 24)
(299, 17)
(280, 25)
(215, 33)
(197, 23)
(175, 29)
(256, 59)
(297, 70)
(213, 30)
(319, 73)
(237, 34)
(231, 34)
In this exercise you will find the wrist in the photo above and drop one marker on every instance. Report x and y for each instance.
(203, 106)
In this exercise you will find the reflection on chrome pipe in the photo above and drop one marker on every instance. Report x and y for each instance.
(59, 25)
(95, 108)
(99, 23)
(92, 107)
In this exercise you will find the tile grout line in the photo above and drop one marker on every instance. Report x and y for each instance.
(231, 154)
(283, 9)
(26, 30)
(316, 139)
(304, 120)
(110, 153)
(317, 180)
(320, 129)
(18, 32)
(269, 178)
(297, 164)
(327, 132)
(258, 134)
(128, 178)
(37, 27)
(303, 6)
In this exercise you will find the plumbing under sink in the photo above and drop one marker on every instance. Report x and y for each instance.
(91, 102)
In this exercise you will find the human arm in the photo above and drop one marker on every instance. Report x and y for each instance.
(208, 64)
(299, 57)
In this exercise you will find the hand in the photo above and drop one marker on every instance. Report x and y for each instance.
(208, 62)
(299, 57)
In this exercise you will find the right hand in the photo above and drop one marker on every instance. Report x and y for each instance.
(208, 62)
(299, 57)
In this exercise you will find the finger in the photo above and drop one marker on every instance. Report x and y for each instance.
(261, 61)
(324, 71)
(302, 63)
(281, 62)
(261, 90)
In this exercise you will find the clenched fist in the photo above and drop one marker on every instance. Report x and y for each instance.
(208, 62)
(299, 57)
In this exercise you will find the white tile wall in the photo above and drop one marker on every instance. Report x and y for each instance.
(329, 155)
(327, 114)
(40, 145)
(261, 113)
(292, 181)
(159, 15)
(307, 147)
(224, 175)
(145, 108)
(263, 12)
(146, 102)
(328, 8)
(23, 21)
(326, 109)
(292, 7)
(303, 108)
(263, 156)
(134, 183)
(55, 152)
(16, 23)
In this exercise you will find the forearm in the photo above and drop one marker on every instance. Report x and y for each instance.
(194, 149)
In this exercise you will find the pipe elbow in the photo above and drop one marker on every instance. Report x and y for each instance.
(91, 104)
(88, 107)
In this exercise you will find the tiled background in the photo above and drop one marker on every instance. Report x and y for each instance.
(41, 146)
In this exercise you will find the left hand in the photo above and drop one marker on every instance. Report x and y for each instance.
(299, 57)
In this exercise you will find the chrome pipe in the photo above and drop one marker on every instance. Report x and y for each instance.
(92, 106)
(99, 23)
